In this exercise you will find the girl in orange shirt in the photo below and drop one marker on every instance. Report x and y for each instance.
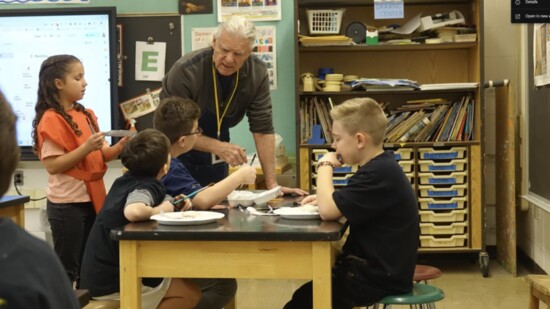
(71, 147)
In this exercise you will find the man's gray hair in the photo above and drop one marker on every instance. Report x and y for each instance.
(238, 26)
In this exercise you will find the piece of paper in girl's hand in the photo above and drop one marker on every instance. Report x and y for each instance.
(120, 133)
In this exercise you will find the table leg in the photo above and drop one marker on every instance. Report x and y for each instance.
(16, 213)
(130, 283)
(20, 219)
(322, 269)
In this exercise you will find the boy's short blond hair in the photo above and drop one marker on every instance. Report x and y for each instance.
(362, 114)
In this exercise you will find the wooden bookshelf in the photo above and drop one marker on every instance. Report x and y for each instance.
(423, 63)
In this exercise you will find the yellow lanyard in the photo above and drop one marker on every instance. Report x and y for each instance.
(218, 118)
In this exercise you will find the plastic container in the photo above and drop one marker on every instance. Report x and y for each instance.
(318, 154)
(457, 165)
(341, 180)
(433, 242)
(438, 179)
(448, 203)
(447, 216)
(325, 21)
(345, 169)
(440, 154)
(410, 176)
(403, 154)
(449, 191)
(447, 229)
(407, 166)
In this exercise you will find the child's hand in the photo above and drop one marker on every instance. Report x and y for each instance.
(188, 205)
(310, 199)
(248, 174)
(123, 141)
(95, 141)
(182, 204)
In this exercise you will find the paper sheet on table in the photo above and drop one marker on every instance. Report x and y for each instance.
(410, 26)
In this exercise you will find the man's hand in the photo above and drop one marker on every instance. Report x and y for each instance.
(295, 191)
(233, 154)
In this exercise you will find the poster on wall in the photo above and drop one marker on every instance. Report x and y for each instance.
(264, 47)
(201, 37)
(541, 50)
(256, 10)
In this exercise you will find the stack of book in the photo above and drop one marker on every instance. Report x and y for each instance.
(434, 120)
(314, 111)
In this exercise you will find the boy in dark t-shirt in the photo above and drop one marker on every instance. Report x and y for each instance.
(379, 255)
(135, 196)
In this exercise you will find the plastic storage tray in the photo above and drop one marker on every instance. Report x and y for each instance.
(406, 165)
(441, 154)
(438, 179)
(449, 191)
(448, 216)
(341, 180)
(453, 241)
(403, 154)
(447, 229)
(457, 165)
(448, 203)
(410, 176)
(318, 154)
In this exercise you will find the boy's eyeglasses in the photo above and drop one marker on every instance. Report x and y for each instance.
(199, 132)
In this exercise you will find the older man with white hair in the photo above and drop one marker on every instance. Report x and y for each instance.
(227, 82)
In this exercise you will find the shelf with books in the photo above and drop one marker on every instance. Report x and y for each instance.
(448, 73)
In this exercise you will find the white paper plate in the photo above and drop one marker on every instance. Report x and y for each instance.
(191, 217)
(301, 212)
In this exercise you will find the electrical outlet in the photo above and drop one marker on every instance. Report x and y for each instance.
(18, 178)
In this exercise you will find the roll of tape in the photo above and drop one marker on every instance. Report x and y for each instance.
(357, 31)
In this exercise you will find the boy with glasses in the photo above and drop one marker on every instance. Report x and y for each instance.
(178, 119)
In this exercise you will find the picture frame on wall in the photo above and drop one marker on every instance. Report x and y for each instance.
(195, 7)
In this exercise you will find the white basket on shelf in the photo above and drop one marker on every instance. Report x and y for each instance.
(325, 21)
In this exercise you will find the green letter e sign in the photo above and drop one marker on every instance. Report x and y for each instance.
(149, 58)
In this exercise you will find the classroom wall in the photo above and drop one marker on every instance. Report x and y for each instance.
(505, 58)
(35, 177)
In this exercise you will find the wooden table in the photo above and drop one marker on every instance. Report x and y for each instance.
(236, 246)
(13, 206)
